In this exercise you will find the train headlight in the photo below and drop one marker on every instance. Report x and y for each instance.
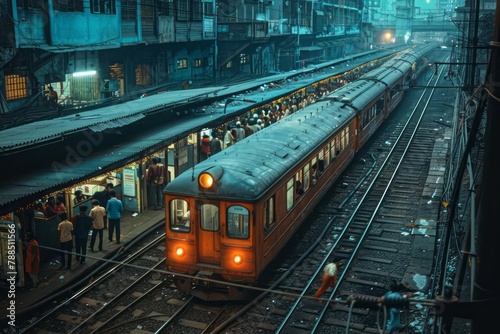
(179, 251)
(237, 259)
(209, 178)
(206, 180)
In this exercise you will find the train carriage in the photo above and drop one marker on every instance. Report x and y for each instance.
(229, 216)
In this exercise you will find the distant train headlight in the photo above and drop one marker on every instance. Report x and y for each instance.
(237, 259)
(179, 251)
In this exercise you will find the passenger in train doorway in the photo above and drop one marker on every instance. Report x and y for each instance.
(156, 177)
(205, 147)
(114, 208)
(83, 223)
(97, 214)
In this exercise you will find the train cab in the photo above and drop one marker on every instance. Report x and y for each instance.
(209, 240)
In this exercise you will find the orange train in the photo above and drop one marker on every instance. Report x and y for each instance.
(229, 216)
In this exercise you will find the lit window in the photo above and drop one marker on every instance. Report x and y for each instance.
(198, 62)
(143, 75)
(102, 6)
(229, 64)
(15, 87)
(182, 63)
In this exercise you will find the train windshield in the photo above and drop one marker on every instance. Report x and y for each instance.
(180, 215)
(237, 222)
(209, 217)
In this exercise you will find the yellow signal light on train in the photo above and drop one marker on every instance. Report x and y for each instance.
(237, 259)
(209, 179)
(179, 251)
(206, 180)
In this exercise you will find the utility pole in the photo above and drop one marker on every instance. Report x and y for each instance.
(297, 63)
(216, 47)
(486, 284)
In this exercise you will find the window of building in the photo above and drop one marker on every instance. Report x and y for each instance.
(238, 218)
(198, 62)
(229, 64)
(129, 10)
(209, 217)
(15, 87)
(180, 215)
(197, 10)
(208, 8)
(68, 5)
(269, 219)
(102, 6)
(243, 58)
(29, 4)
(143, 75)
(182, 63)
(183, 10)
(165, 7)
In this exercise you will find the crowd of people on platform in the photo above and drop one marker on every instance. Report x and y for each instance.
(245, 126)
(73, 230)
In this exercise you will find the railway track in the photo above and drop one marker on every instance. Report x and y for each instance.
(111, 295)
(368, 230)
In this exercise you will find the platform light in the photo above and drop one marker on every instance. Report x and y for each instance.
(85, 73)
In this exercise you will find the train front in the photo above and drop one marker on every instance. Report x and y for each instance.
(209, 240)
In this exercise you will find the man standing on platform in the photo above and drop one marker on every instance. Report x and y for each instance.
(97, 214)
(65, 232)
(103, 198)
(114, 208)
(83, 223)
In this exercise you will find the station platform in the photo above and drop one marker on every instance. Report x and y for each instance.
(53, 281)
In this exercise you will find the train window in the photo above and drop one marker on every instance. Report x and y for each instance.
(346, 137)
(269, 218)
(380, 105)
(237, 222)
(180, 216)
(305, 172)
(327, 157)
(314, 170)
(209, 217)
(333, 149)
(289, 194)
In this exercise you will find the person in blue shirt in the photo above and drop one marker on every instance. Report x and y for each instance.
(114, 208)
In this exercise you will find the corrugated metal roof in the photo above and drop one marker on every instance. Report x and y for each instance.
(102, 118)
(47, 177)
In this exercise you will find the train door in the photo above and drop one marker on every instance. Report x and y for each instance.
(208, 232)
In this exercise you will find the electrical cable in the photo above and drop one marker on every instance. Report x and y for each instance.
(353, 301)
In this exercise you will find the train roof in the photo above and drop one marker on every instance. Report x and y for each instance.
(254, 164)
